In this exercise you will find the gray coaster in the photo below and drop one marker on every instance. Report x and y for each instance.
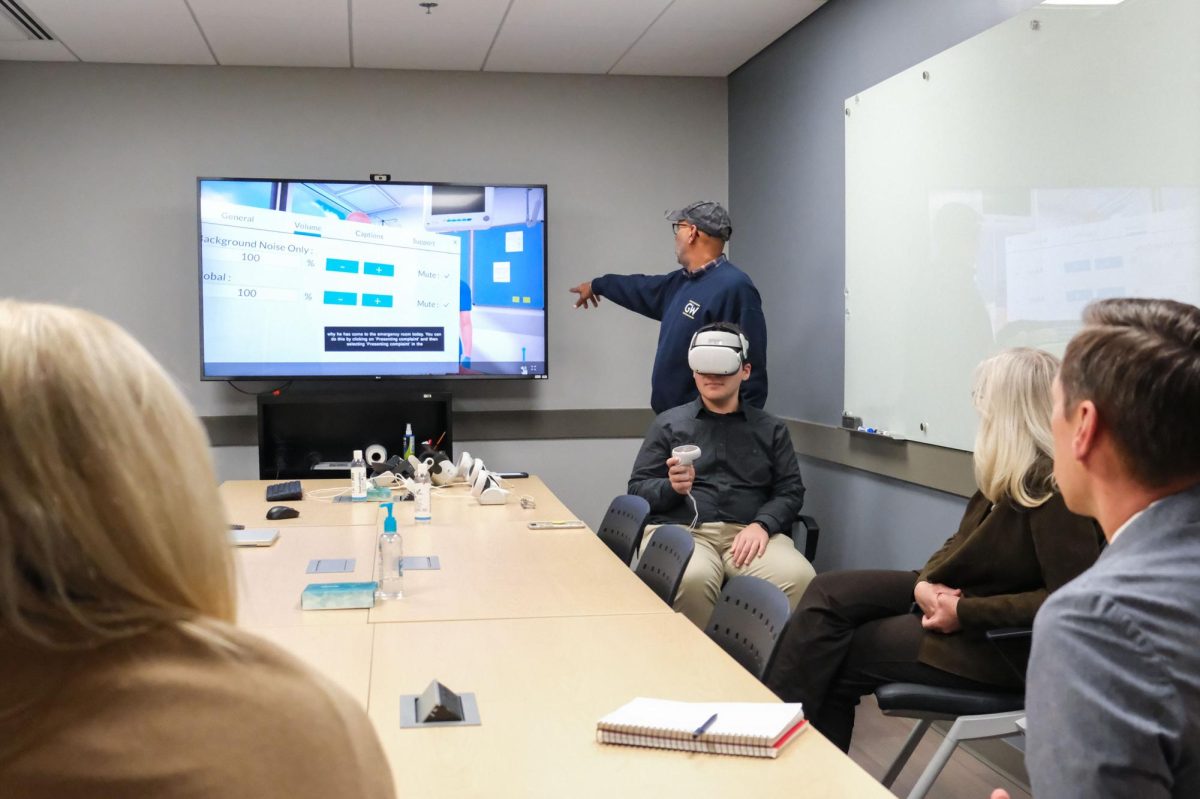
(331, 566)
(420, 563)
(408, 713)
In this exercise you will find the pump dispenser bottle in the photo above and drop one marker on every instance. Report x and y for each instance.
(410, 448)
(391, 550)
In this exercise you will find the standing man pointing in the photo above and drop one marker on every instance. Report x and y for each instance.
(707, 289)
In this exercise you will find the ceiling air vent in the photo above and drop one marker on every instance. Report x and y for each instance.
(24, 20)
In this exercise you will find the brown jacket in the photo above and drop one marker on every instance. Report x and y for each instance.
(1006, 560)
(163, 715)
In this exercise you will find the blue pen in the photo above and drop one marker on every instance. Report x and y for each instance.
(703, 728)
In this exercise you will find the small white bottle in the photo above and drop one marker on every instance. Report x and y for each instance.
(358, 476)
(409, 442)
(391, 565)
(422, 498)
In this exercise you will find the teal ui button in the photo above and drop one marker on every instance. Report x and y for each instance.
(341, 265)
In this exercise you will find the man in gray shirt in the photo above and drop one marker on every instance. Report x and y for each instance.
(743, 494)
(1113, 694)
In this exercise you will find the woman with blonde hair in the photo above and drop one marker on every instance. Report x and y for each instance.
(121, 673)
(856, 630)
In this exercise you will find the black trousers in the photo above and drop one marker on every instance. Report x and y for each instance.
(852, 632)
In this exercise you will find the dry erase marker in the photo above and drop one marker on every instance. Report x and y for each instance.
(703, 728)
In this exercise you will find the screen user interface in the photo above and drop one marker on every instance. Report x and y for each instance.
(309, 279)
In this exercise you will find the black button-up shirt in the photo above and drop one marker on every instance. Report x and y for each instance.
(747, 470)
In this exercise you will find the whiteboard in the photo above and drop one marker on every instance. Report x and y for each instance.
(995, 189)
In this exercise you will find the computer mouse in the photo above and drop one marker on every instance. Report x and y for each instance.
(282, 512)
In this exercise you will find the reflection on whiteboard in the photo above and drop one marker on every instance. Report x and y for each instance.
(1034, 269)
(996, 189)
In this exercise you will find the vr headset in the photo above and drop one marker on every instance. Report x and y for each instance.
(718, 349)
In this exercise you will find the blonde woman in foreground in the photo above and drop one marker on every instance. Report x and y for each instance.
(121, 673)
(853, 630)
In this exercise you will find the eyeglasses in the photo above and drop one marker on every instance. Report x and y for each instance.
(676, 225)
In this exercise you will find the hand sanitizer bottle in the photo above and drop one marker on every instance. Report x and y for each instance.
(391, 550)
(358, 476)
(409, 443)
(422, 501)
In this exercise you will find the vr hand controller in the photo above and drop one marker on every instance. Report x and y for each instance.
(687, 455)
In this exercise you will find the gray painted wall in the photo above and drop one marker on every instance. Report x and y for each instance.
(98, 166)
(97, 205)
(787, 199)
(873, 522)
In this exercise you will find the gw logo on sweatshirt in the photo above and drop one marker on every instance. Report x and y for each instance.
(690, 309)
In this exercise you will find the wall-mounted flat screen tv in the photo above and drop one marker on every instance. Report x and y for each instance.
(306, 279)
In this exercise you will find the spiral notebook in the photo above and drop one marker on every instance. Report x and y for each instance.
(752, 729)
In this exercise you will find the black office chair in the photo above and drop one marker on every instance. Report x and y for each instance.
(622, 526)
(664, 559)
(812, 533)
(747, 621)
(976, 714)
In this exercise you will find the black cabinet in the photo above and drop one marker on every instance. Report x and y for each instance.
(296, 432)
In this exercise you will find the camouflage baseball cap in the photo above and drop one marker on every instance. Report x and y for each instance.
(707, 216)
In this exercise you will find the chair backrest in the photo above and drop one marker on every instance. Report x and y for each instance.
(623, 524)
(747, 621)
(663, 561)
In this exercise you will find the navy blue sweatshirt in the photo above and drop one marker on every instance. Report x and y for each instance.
(684, 302)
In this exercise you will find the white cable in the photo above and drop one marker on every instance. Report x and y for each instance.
(696, 515)
(323, 495)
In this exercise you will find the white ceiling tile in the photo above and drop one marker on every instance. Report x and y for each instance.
(279, 33)
(398, 34)
(124, 31)
(570, 35)
(34, 50)
(632, 37)
(711, 37)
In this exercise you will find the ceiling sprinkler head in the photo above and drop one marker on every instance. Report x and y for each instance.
(429, 7)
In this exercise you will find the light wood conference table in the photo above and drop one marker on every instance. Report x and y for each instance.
(541, 684)
(492, 566)
(547, 628)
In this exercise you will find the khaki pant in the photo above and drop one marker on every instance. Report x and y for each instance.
(711, 565)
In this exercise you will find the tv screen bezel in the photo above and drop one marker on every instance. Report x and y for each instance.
(545, 375)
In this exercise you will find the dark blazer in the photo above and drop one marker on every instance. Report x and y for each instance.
(1006, 559)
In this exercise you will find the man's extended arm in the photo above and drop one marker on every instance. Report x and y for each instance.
(644, 294)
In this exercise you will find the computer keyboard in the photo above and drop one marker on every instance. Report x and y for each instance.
(284, 491)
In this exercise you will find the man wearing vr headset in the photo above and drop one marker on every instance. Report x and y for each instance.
(707, 289)
(745, 489)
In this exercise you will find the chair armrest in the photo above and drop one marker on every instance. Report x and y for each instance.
(812, 533)
(1002, 635)
(1013, 644)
